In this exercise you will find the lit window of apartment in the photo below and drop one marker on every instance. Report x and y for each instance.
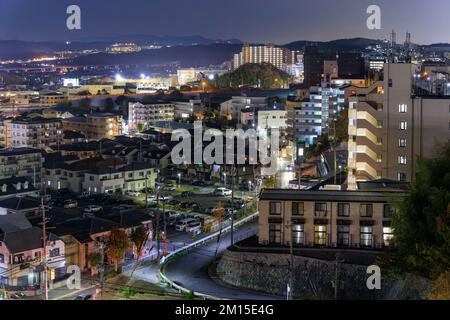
(275, 208)
(402, 160)
(403, 125)
(366, 236)
(402, 108)
(298, 208)
(402, 143)
(320, 235)
(343, 209)
(343, 236)
(401, 176)
(379, 140)
(275, 233)
(298, 234)
(380, 124)
(366, 210)
(388, 235)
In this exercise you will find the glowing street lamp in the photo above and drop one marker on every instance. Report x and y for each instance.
(179, 180)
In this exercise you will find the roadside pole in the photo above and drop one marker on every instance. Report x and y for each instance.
(44, 239)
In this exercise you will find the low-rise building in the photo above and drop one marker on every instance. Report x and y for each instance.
(140, 116)
(95, 126)
(335, 219)
(22, 163)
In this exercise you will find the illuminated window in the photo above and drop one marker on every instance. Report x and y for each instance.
(298, 234)
(401, 176)
(402, 108)
(402, 160)
(366, 236)
(320, 235)
(402, 143)
(387, 236)
(403, 125)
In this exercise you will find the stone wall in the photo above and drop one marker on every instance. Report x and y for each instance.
(269, 273)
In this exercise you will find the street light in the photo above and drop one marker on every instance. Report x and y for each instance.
(179, 180)
(225, 179)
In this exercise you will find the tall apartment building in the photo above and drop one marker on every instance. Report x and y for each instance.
(278, 57)
(5, 132)
(312, 118)
(142, 115)
(335, 219)
(95, 126)
(389, 127)
(35, 132)
(22, 162)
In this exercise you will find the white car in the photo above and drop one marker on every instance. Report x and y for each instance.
(123, 208)
(133, 193)
(181, 225)
(224, 192)
(93, 208)
(191, 227)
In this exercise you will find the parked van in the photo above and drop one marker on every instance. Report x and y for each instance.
(181, 225)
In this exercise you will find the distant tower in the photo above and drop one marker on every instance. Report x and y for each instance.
(408, 39)
(393, 38)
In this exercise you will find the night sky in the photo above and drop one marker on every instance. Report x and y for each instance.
(277, 21)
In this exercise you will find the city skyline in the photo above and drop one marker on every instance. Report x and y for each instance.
(292, 20)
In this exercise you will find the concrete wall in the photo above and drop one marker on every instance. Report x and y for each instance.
(268, 272)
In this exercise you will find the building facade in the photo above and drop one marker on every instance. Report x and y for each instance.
(335, 219)
(22, 162)
(35, 132)
(142, 115)
(389, 127)
(279, 57)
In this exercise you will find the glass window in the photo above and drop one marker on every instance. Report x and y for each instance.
(401, 176)
(387, 236)
(320, 207)
(388, 210)
(402, 160)
(366, 210)
(275, 208)
(403, 125)
(343, 209)
(2, 258)
(320, 235)
(402, 143)
(366, 236)
(275, 233)
(402, 108)
(298, 208)
(298, 234)
(343, 236)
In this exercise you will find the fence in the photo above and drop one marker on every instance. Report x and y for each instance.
(196, 244)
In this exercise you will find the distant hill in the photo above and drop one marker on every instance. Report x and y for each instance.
(265, 76)
(186, 56)
(353, 43)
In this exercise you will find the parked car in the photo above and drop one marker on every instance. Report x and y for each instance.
(93, 208)
(84, 297)
(199, 184)
(172, 214)
(123, 208)
(181, 225)
(223, 192)
(192, 226)
(133, 193)
(69, 204)
(186, 194)
(174, 202)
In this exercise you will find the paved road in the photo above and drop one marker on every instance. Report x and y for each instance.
(190, 270)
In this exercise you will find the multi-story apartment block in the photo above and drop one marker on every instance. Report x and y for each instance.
(314, 116)
(232, 108)
(389, 127)
(95, 126)
(336, 219)
(278, 57)
(22, 162)
(5, 132)
(52, 98)
(141, 115)
(35, 132)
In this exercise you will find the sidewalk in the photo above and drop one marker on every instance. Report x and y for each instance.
(64, 292)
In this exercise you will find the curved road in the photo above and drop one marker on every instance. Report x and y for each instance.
(190, 270)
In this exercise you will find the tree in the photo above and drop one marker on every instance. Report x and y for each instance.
(139, 237)
(95, 260)
(85, 104)
(116, 247)
(342, 126)
(421, 219)
(108, 105)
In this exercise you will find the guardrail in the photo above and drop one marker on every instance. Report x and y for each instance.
(196, 244)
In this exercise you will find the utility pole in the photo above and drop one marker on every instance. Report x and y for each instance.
(337, 283)
(44, 238)
(334, 151)
(102, 268)
(233, 176)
